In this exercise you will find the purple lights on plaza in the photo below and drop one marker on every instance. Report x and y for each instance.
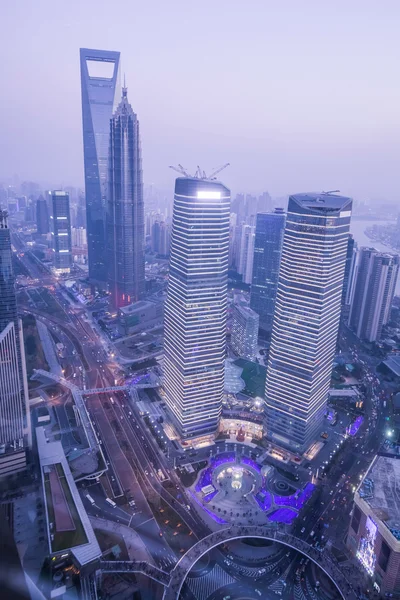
(355, 426)
(296, 500)
(283, 515)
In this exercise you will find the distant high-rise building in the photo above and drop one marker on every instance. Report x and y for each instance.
(196, 306)
(267, 257)
(244, 332)
(61, 232)
(15, 435)
(306, 317)
(264, 203)
(100, 83)
(125, 217)
(42, 216)
(161, 238)
(245, 268)
(349, 276)
(79, 237)
(374, 289)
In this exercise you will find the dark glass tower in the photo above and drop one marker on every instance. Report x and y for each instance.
(125, 217)
(61, 232)
(267, 256)
(14, 409)
(42, 216)
(100, 95)
(8, 300)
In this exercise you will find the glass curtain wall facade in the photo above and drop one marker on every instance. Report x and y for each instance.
(196, 306)
(11, 407)
(125, 217)
(306, 318)
(267, 256)
(373, 293)
(42, 216)
(61, 232)
(100, 86)
(9, 314)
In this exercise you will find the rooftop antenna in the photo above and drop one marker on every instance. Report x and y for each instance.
(331, 192)
(124, 89)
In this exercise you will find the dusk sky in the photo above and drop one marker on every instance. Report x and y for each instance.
(296, 95)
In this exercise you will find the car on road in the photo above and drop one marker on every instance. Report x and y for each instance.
(302, 530)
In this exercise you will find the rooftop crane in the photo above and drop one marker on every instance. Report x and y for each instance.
(181, 170)
(212, 176)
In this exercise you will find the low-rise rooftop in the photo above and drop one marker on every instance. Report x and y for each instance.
(380, 489)
(69, 527)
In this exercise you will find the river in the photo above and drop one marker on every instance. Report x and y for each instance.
(357, 228)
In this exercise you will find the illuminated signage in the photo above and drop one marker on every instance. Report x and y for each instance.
(366, 549)
(209, 195)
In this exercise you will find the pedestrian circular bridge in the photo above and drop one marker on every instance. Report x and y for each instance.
(321, 559)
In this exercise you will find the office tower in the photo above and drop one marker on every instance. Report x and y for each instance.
(244, 332)
(349, 276)
(79, 237)
(42, 216)
(306, 317)
(245, 268)
(100, 83)
(196, 306)
(232, 239)
(264, 203)
(61, 232)
(374, 289)
(125, 217)
(12, 428)
(12, 363)
(267, 257)
(161, 238)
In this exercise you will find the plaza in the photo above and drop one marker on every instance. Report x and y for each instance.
(234, 489)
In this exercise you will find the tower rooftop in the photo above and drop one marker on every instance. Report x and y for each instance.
(321, 200)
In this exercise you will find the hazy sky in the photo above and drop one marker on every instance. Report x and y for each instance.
(296, 94)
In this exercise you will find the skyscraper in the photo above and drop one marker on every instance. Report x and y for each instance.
(42, 216)
(244, 332)
(196, 306)
(267, 256)
(246, 256)
(100, 84)
(14, 432)
(306, 317)
(61, 232)
(374, 289)
(125, 217)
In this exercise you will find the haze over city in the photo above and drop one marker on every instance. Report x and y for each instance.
(199, 300)
(294, 95)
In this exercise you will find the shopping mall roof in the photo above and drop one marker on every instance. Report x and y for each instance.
(380, 490)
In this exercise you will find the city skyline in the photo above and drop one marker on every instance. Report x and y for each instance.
(199, 398)
(288, 94)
